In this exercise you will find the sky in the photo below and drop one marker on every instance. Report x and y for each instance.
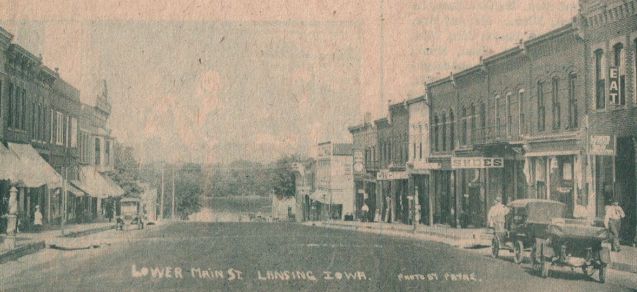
(217, 81)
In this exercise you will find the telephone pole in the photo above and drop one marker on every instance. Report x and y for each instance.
(161, 202)
(172, 214)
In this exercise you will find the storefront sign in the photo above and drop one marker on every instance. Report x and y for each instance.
(359, 163)
(601, 145)
(613, 85)
(391, 175)
(426, 165)
(476, 162)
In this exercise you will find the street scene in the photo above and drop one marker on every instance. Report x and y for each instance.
(416, 145)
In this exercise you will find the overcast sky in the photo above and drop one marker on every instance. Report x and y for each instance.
(216, 81)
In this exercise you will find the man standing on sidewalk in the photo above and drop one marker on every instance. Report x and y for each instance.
(496, 216)
(37, 219)
(612, 221)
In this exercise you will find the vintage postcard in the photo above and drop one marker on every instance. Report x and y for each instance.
(318, 145)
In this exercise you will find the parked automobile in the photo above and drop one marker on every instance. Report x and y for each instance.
(527, 220)
(576, 243)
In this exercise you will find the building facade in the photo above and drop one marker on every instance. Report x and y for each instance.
(365, 151)
(334, 181)
(418, 167)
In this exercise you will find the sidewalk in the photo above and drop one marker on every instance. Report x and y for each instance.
(27, 243)
(626, 260)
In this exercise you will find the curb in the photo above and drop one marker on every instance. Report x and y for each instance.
(88, 231)
(456, 241)
(21, 251)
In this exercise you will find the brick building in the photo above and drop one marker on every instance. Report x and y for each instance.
(365, 149)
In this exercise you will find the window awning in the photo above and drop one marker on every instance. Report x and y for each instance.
(77, 188)
(34, 171)
(10, 165)
(97, 185)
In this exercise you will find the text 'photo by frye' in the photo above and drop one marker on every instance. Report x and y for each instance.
(318, 145)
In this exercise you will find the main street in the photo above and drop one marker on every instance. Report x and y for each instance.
(278, 257)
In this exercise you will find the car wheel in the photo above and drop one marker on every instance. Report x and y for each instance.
(546, 268)
(602, 274)
(495, 247)
(518, 247)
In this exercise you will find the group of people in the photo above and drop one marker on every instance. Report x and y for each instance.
(612, 220)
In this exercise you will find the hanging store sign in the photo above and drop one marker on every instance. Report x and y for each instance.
(426, 165)
(601, 145)
(613, 85)
(476, 162)
(359, 162)
(391, 175)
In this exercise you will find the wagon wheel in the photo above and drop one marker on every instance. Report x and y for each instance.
(518, 247)
(495, 247)
(602, 274)
(588, 270)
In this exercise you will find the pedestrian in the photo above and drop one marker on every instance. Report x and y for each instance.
(365, 211)
(612, 221)
(37, 219)
(497, 215)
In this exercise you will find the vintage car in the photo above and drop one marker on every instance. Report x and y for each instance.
(576, 243)
(527, 220)
(131, 214)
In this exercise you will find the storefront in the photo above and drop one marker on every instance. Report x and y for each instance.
(441, 190)
(419, 190)
(394, 185)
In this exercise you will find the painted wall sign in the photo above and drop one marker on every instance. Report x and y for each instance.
(601, 145)
(427, 165)
(476, 162)
(391, 175)
(613, 85)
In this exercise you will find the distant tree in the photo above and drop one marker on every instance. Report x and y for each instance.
(126, 170)
(283, 177)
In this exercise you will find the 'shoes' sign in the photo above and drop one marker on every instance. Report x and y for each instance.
(476, 162)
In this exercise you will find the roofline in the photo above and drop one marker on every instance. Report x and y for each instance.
(416, 99)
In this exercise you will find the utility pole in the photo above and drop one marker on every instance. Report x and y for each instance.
(172, 214)
(161, 202)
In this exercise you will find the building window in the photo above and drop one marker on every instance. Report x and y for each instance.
(635, 71)
(540, 107)
(522, 118)
(23, 121)
(452, 131)
(97, 152)
(483, 120)
(444, 132)
(435, 134)
(420, 151)
(509, 118)
(600, 86)
(572, 102)
(107, 152)
(472, 134)
(555, 98)
(497, 116)
(11, 105)
(59, 126)
(463, 136)
(621, 69)
(73, 132)
(53, 127)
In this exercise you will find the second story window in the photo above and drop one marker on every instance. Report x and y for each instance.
(621, 69)
(572, 102)
(435, 134)
(463, 135)
(452, 131)
(98, 157)
(472, 134)
(540, 107)
(509, 118)
(522, 117)
(483, 121)
(11, 101)
(600, 85)
(497, 115)
(444, 132)
(555, 101)
(59, 122)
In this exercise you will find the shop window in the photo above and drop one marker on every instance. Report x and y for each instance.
(572, 102)
(600, 84)
(540, 107)
(555, 101)
(620, 56)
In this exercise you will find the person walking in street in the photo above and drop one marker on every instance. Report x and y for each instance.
(37, 219)
(497, 215)
(612, 221)
(365, 211)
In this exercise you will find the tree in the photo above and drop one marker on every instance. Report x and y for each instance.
(126, 171)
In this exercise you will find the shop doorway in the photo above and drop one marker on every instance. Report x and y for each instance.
(625, 185)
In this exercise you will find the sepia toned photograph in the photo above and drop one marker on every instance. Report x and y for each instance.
(318, 145)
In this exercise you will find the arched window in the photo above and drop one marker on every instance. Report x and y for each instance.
(619, 54)
(572, 102)
(522, 117)
(600, 84)
(508, 118)
(497, 115)
(435, 139)
(483, 120)
(97, 151)
(540, 107)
